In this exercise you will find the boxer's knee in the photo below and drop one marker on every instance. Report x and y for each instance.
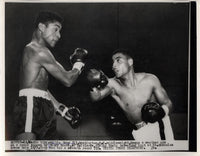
(26, 136)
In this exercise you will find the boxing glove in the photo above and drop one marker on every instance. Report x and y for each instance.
(76, 116)
(97, 79)
(152, 112)
(78, 58)
(71, 114)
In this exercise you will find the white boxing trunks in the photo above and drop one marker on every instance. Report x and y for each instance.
(154, 131)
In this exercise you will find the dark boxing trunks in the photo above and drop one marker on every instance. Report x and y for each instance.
(35, 113)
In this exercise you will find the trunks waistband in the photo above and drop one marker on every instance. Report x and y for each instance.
(140, 125)
(32, 92)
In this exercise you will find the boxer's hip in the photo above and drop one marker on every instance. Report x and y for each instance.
(33, 111)
(160, 130)
(33, 92)
(36, 100)
(139, 125)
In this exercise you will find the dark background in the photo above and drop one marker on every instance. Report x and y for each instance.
(157, 33)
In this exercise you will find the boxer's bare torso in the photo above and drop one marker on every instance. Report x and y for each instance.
(32, 74)
(129, 89)
(131, 98)
(38, 61)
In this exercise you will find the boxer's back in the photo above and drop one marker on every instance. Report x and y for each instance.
(32, 74)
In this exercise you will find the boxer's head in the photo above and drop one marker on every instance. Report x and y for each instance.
(122, 62)
(49, 25)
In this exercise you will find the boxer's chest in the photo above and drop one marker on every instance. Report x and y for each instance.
(134, 97)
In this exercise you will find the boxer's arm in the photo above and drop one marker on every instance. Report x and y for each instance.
(161, 95)
(54, 101)
(99, 94)
(71, 114)
(47, 60)
(57, 104)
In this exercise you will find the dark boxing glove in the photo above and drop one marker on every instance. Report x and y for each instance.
(76, 116)
(97, 79)
(71, 114)
(78, 58)
(152, 112)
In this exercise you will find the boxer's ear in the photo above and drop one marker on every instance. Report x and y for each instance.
(41, 27)
(130, 61)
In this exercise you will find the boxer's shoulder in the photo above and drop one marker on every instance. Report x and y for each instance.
(37, 52)
(150, 79)
(115, 82)
(146, 76)
(36, 49)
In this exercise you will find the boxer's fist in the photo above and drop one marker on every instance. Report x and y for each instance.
(79, 55)
(97, 79)
(76, 117)
(71, 114)
(152, 112)
(78, 58)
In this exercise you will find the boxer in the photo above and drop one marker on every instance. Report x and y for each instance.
(140, 95)
(34, 111)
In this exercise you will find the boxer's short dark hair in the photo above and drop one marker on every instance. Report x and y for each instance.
(127, 52)
(46, 17)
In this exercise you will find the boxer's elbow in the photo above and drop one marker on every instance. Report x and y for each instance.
(70, 80)
(95, 97)
(169, 105)
(67, 84)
